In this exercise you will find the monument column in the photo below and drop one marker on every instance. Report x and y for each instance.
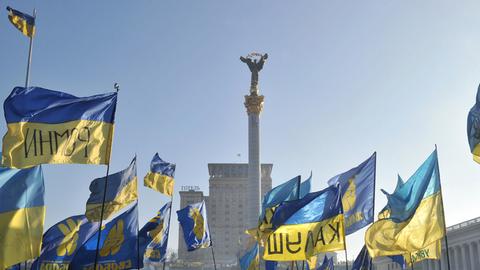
(254, 106)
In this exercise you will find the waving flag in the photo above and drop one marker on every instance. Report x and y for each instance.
(363, 260)
(357, 186)
(193, 220)
(23, 22)
(306, 227)
(46, 126)
(121, 191)
(62, 241)
(473, 128)
(154, 236)
(118, 245)
(415, 215)
(285, 192)
(22, 215)
(161, 176)
(250, 261)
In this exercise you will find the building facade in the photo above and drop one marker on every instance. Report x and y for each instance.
(464, 250)
(226, 210)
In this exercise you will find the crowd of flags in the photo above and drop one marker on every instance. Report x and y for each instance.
(295, 224)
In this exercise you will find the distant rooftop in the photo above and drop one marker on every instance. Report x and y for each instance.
(235, 170)
(463, 224)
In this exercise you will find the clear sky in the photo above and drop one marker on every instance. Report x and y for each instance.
(344, 79)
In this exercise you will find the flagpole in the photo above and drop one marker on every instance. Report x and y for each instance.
(211, 240)
(169, 220)
(443, 213)
(110, 139)
(374, 189)
(27, 79)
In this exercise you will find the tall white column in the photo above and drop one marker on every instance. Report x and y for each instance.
(473, 264)
(254, 105)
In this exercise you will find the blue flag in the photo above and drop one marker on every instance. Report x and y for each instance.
(118, 245)
(305, 186)
(250, 261)
(62, 241)
(400, 260)
(327, 264)
(154, 236)
(271, 265)
(357, 187)
(193, 220)
(363, 260)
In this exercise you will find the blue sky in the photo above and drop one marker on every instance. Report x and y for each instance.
(344, 79)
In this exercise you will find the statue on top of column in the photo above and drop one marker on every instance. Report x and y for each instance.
(255, 63)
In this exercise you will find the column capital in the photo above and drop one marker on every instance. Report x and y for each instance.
(254, 104)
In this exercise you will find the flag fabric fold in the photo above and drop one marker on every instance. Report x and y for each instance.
(121, 191)
(473, 128)
(161, 176)
(22, 21)
(357, 187)
(194, 224)
(415, 219)
(22, 214)
(250, 261)
(153, 237)
(118, 245)
(306, 227)
(62, 241)
(312, 262)
(46, 126)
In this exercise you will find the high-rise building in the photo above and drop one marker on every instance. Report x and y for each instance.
(227, 211)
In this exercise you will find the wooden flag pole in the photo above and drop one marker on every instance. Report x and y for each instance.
(117, 88)
(443, 214)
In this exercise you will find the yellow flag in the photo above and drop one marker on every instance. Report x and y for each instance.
(431, 252)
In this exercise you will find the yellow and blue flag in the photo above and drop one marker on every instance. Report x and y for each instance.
(118, 245)
(193, 220)
(22, 215)
(327, 264)
(23, 22)
(473, 128)
(287, 191)
(415, 219)
(363, 260)
(357, 187)
(121, 191)
(251, 260)
(46, 126)
(161, 176)
(153, 237)
(306, 227)
(62, 241)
